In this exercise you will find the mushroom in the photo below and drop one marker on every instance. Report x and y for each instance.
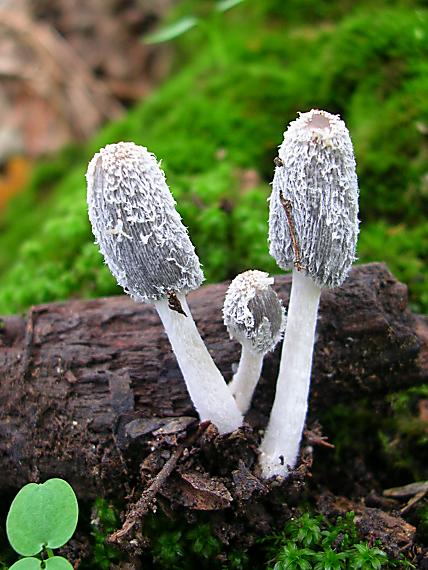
(313, 229)
(149, 252)
(254, 316)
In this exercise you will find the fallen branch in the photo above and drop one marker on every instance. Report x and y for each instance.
(75, 375)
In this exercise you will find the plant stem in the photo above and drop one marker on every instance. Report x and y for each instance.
(245, 380)
(207, 388)
(280, 445)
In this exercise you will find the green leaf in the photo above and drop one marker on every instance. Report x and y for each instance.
(170, 32)
(225, 5)
(58, 563)
(42, 516)
(27, 564)
(54, 563)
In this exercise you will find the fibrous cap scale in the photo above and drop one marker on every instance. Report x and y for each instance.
(317, 178)
(252, 312)
(136, 225)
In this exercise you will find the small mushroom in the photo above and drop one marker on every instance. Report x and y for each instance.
(254, 316)
(149, 252)
(313, 229)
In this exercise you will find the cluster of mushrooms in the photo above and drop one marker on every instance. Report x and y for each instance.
(313, 229)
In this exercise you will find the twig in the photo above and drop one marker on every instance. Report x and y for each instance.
(416, 491)
(405, 491)
(412, 502)
(314, 437)
(146, 501)
(288, 209)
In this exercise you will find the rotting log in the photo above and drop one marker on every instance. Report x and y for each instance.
(74, 374)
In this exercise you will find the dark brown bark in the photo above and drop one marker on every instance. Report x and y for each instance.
(74, 374)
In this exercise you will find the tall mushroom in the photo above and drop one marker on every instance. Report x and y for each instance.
(149, 252)
(313, 228)
(254, 316)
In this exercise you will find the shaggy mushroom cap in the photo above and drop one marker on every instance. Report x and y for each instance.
(149, 252)
(136, 225)
(313, 222)
(252, 312)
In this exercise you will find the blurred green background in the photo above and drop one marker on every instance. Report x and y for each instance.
(236, 81)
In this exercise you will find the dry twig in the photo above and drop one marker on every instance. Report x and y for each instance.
(146, 502)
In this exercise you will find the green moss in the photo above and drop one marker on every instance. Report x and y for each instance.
(378, 72)
(391, 443)
(250, 230)
(404, 435)
(307, 541)
(176, 545)
(219, 117)
(312, 542)
(319, 11)
(104, 521)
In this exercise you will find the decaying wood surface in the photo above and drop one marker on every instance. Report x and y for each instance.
(76, 376)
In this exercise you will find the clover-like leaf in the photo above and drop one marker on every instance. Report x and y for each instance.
(54, 563)
(27, 564)
(58, 563)
(42, 516)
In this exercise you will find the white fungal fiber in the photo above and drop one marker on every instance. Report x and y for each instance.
(316, 177)
(136, 225)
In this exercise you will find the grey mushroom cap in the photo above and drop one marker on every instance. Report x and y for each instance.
(315, 180)
(252, 311)
(136, 225)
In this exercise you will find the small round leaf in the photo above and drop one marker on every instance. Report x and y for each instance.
(42, 515)
(27, 564)
(54, 563)
(58, 563)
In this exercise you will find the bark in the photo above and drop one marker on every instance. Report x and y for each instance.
(74, 375)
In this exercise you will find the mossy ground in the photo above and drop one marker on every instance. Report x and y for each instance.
(216, 123)
(307, 541)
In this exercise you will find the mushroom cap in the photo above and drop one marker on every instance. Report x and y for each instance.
(136, 225)
(252, 311)
(316, 175)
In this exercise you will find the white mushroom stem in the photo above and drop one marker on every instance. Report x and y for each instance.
(245, 379)
(280, 445)
(208, 390)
